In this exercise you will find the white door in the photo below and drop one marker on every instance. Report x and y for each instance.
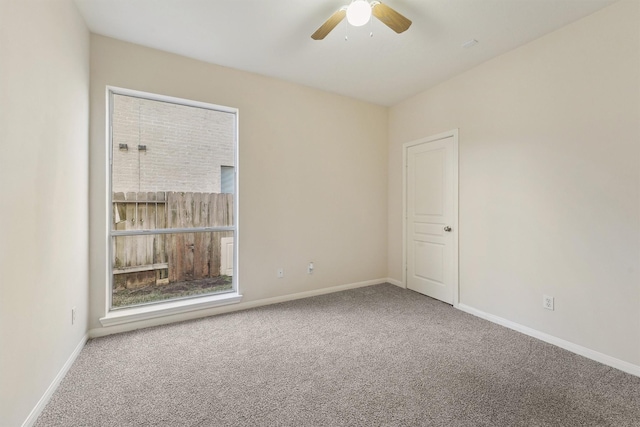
(431, 217)
(226, 256)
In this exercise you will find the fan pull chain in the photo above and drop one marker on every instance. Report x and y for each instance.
(346, 31)
(371, 27)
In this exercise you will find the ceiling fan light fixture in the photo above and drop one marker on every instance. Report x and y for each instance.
(358, 13)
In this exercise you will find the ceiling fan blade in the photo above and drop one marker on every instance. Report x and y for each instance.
(390, 17)
(329, 24)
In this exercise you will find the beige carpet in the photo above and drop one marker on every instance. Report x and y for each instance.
(374, 356)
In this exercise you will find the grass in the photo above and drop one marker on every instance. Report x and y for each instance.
(155, 293)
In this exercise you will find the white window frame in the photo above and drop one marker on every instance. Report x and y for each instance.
(175, 306)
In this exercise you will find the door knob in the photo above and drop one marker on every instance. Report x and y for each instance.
(447, 228)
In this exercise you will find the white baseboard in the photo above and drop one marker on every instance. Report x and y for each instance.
(306, 294)
(37, 410)
(99, 332)
(395, 282)
(627, 367)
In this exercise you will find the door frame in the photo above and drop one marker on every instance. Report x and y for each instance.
(454, 223)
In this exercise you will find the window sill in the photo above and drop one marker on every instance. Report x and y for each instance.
(135, 314)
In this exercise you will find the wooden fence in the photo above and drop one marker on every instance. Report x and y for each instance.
(164, 258)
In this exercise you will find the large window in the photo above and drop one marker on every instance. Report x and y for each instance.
(172, 199)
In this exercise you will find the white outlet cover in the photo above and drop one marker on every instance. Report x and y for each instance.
(547, 302)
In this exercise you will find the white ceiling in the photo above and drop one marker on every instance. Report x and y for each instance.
(272, 38)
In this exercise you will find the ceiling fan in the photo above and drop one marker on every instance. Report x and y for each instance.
(359, 12)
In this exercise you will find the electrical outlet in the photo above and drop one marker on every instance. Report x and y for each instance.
(280, 273)
(547, 302)
(310, 268)
(73, 315)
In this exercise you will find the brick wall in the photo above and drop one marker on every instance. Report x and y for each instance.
(186, 146)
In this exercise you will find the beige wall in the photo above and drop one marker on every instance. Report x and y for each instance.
(549, 180)
(313, 171)
(44, 102)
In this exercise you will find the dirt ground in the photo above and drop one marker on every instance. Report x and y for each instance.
(126, 297)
